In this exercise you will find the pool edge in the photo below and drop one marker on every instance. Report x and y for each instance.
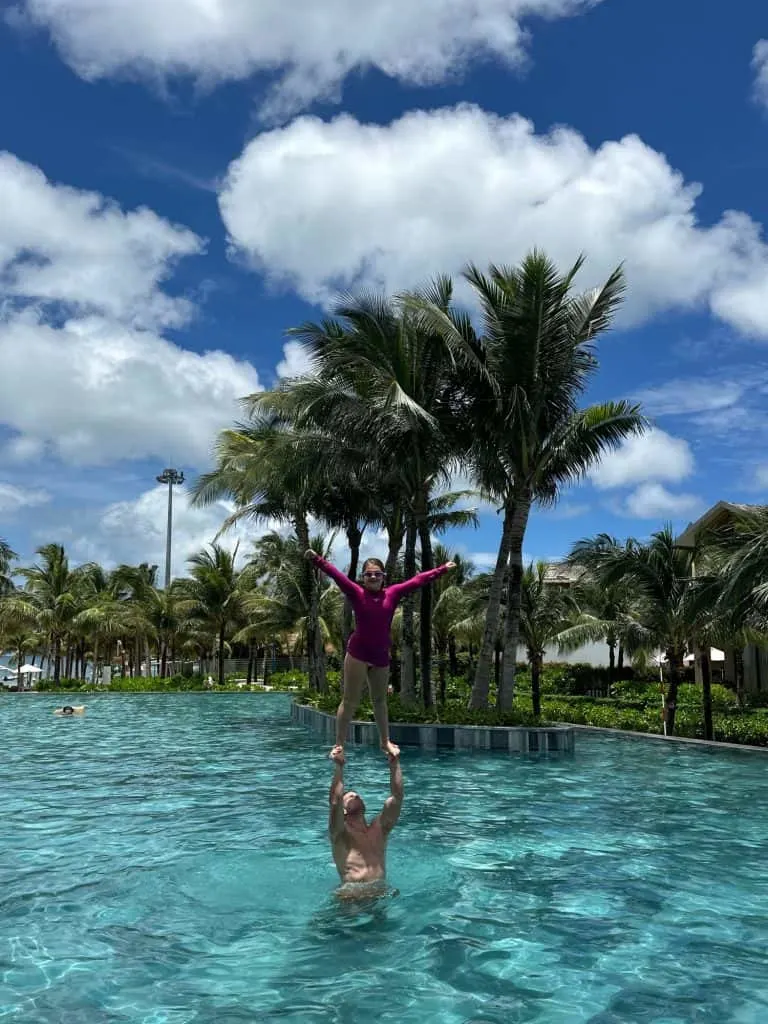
(555, 739)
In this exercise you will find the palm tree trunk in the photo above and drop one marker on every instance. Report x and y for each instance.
(222, 631)
(706, 693)
(164, 659)
(315, 652)
(675, 662)
(354, 539)
(425, 618)
(95, 668)
(442, 670)
(536, 663)
(396, 534)
(497, 649)
(620, 664)
(56, 661)
(611, 660)
(514, 595)
(481, 685)
(19, 663)
(407, 652)
(251, 662)
(453, 661)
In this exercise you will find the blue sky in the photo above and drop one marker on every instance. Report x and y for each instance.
(182, 182)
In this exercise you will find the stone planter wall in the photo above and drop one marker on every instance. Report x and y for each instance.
(514, 740)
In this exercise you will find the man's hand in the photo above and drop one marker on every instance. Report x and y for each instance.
(450, 565)
(394, 803)
(310, 555)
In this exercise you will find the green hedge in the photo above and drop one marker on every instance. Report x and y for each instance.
(140, 684)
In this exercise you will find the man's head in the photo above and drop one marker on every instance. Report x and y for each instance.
(373, 574)
(354, 806)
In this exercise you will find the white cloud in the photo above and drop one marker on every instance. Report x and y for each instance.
(322, 205)
(311, 45)
(652, 501)
(13, 498)
(687, 396)
(761, 477)
(133, 531)
(296, 361)
(760, 67)
(654, 455)
(61, 245)
(93, 391)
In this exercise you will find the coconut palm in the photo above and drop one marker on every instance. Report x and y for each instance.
(602, 613)
(530, 439)
(382, 374)
(48, 601)
(212, 596)
(267, 468)
(673, 604)
(7, 557)
(450, 611)
(544, 612)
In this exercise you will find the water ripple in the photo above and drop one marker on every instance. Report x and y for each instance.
(163, 860)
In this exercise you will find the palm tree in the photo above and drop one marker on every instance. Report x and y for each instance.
(267, 468)
(544, 612)
(276, 602)
(450, 611)
(48, 601)
(382, 374)
(673, 605)
(212, 596)
(7, 556)
(601, 613)
(530, 439)
(741, 550)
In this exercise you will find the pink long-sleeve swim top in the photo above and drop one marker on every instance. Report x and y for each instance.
(374, 611)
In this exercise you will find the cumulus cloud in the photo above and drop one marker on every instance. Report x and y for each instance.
(689, 396)
(652, 456)
(654, 501)
(133, 531)
(296, 360)
(327, 205)
(85, 374)
(96, 391)
(13, 498)
(60, 245)
(310, 46)
(760, 68)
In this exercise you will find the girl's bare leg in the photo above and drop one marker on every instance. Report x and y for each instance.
(355, 675)
(378, 680)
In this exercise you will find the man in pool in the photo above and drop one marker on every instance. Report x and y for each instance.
(359, 849)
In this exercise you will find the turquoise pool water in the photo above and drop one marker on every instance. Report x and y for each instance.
(163, 860)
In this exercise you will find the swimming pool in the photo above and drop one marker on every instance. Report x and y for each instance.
(163, 860)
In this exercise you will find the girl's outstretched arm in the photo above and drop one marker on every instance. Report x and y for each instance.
(420, 580)
(344, 583)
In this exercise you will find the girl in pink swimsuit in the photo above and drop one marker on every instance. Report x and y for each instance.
(367, 658)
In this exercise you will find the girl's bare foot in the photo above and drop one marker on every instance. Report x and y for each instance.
(391, 749)
(337, 755)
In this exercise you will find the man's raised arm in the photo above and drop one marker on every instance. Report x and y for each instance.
(393, 803)
(336, 801)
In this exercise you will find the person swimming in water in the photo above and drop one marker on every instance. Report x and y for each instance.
(367, 657)
(359, 848)
(69, 709)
